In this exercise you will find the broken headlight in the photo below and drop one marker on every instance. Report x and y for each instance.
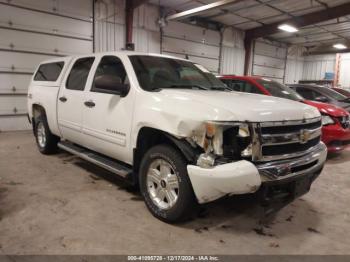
(237, 141)
(228, 139)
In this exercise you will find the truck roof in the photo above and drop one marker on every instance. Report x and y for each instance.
(124, 53)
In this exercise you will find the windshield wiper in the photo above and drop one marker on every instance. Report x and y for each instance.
(188, 87)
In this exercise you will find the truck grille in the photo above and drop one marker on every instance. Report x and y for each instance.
(344, 121)
(282, 140)
(291, 128)
(283, 149)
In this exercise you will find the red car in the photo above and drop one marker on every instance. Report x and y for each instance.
(335, 120)
(342, 91)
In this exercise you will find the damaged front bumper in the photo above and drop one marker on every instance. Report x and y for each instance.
(243, 177)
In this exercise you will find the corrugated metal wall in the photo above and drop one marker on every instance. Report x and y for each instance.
(110, 27)
(269, 60)
(316, 66)
(32, 31)
(294, 70)
(196, 43)
(178, 39)
(232, 52)
(295, 65)
(344, 75)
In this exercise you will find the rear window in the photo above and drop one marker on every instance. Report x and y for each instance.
(49, 72)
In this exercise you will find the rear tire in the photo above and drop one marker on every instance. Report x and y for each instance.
(45, 140)
(165, 185)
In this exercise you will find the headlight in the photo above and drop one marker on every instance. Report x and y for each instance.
(213, 138)
(327, 120)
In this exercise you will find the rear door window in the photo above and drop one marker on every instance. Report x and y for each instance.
(49, 72)
(78, 75)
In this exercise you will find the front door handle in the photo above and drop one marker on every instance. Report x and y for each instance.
(63, 99)
(89, 103)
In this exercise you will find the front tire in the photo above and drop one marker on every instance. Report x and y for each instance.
(165, 185)
(45, 140)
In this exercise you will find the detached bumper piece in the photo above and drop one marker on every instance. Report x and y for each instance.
(235, 178)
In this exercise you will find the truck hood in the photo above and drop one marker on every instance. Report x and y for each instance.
(328, 109)
(234, 106)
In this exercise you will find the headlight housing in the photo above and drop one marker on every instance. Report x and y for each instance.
(327, 120)
(229, 139)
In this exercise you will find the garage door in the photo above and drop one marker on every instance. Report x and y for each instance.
(32, 31)
(198, 44)
(269, 60)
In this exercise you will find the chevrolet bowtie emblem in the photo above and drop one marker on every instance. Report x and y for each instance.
(304, 136)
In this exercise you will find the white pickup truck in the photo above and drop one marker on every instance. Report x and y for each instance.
(171, 127)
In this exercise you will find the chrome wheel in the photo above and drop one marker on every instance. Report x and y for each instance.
(162, 184)
(41, 134)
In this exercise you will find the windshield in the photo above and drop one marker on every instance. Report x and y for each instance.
(333, 94)
(343, 92)
(154, 73)
(279, 90)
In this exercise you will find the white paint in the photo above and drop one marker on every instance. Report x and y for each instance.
(209, 184)
(180, 113)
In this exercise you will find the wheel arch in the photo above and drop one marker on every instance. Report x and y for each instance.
(37, 110)
(148, 137)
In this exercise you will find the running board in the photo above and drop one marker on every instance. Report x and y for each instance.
(97, 159)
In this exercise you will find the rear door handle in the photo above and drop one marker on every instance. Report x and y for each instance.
(63, 99)
(89, 103)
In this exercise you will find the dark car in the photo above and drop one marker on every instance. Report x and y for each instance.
(322, 94)
(342, 91)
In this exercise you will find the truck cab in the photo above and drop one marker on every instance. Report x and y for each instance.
(171, 127)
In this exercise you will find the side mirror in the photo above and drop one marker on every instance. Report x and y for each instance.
(111, 84)
(322, 99)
